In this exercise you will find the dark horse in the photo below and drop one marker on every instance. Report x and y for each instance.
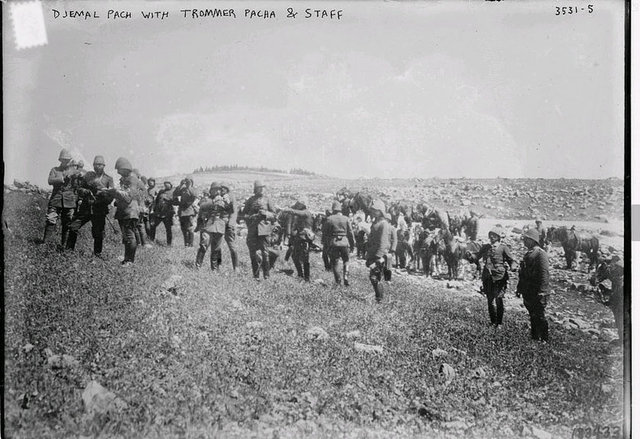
(573, 242)
(453, 252)
(361, 202)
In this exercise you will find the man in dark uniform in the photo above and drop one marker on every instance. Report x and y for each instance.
(143, 212)
(341, 242)
(301, 237)
(230, 229)
(380, 248)
(62, 203)
(149, 201)
(471, 227)
(494, 275)
(533, 284)
(163, 212)
(259, 214)
(214, 214)
(184, 196)
(326, 239)
(93, 205)
(127, 208)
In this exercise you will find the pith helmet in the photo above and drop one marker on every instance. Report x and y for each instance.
(123, 164)
(378, 205)
(533, 235)
(336, 206)
(301, 203)
(214, 185)
(64, 154)
(257, 184)
(98, 160)
(496, 231)
(538, 220)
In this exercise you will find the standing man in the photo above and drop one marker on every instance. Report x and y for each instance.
(341, 242)
(163, 212)
(62, 202)
(326, 240)
(382, 244)
(301, 236)
(184, 196)
(542, 231)
(494, 275)
(471, 227)
(93, 205)
(533, 284)
(127, 208)
(214, 214)
(259, 213)
(143, 213)
(230, 229)
(149, 201)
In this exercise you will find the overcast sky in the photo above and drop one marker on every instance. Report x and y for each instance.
(393, 89)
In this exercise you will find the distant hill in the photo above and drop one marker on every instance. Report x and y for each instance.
(262, 169)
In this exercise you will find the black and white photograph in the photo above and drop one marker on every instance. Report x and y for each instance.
(316, 219)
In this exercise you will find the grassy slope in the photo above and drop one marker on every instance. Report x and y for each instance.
(190, 366)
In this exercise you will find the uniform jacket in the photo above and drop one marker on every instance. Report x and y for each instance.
(88, 192)
(187, 196)
(258, 213)
(127, 197)
(534, 274)
(302, 219)
(216, 213)
(382, 239)
(543, 235)
(64, 189)
(163, 207)
(339, 231)
(150, 198)
(495, 257)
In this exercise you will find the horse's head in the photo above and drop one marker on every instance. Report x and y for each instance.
(601, 273)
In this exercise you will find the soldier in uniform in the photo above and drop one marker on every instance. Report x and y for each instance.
(93, 205)
(144, 214)
(326, 239)
(542, 231)
(230, 229)
(471, 227)
(184, 196)
(533, 284)
(214, 215)
(494, 275)
(259, 213)
(62, 203)
(301, 237)
(127, 208)
(382, 244)
(163, 212)
(341, 242)
(149, 201)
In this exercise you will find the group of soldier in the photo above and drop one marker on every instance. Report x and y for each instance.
(79, 197)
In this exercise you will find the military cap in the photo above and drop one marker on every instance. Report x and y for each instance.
(64, 154)
(98, 160)
(532, 234)
(123, 164)
(215, 185)
(336, 206)
(378, 205)
(496, 231)
(538, 220)
(258, 183)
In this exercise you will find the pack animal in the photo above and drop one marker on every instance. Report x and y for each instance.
(573, 242)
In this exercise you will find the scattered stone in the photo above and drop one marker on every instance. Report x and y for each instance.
(438, 353)
(479, 372)
(541, 434)
(368, 348)
(255, 325)
(447, 373)
(579, 323)
(61, 361)
(171, 285)
(98, 400)
(28, 348)
(353, 334)
(317, 333)
(320, 282)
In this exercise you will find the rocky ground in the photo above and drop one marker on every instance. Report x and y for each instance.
(163, 350)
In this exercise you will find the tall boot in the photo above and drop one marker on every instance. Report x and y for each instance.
(492, 311)
(49, 231)
(97, 246)
(200, 257)
(65, 234)
(234, 260)
(298, 266)
(500, 310)
(307, 271)
(336, 273)
(345, 275)
(378, 288)
(266, 266)
(71, 240)
(214, 261)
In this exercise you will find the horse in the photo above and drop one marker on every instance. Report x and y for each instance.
(453, 252)
(455, 224)
(361, 202)
(572, 242)
(429, 249)
(471, 250)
